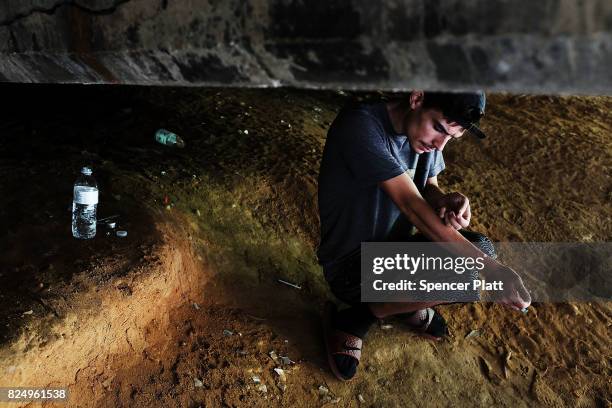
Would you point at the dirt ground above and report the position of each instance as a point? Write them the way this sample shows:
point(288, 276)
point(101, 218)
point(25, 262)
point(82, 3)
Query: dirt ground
point(187, 311)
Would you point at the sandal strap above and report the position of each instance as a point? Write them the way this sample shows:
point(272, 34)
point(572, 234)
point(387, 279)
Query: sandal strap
point(346, 344)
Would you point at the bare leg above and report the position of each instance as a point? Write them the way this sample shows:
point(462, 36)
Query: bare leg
point(382, 310)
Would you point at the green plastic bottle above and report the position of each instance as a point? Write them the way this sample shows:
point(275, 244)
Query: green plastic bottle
point(168, 138)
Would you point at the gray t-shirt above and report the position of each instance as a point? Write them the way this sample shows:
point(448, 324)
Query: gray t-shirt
point(363, 149)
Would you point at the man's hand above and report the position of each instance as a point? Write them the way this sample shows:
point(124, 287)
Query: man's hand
point(515, 294)
point(454, 208)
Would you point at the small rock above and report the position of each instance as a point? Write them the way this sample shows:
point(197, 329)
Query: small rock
point(262, 388)
point(286, 360)
point(198, 383)
point(488, 371)
point(486, 367)
point(436, 379)
point(323, 390)
point(507, 358)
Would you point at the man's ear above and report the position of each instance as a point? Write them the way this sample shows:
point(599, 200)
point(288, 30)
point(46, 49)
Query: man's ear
point(416, 99)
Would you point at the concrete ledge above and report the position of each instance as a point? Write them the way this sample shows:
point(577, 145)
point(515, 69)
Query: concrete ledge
point(551, 46)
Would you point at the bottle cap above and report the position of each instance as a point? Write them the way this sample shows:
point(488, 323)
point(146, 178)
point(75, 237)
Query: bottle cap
point(122, 234)
point(86, 171)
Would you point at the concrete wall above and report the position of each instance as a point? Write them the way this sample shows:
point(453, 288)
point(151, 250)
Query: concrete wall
point(545, 46)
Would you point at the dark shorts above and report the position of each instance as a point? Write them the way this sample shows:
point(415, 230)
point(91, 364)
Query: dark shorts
point(345, 281)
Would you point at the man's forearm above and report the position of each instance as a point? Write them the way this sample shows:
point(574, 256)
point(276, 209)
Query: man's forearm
point(433, 195)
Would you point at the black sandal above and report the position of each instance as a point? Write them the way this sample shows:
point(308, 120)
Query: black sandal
point(434, 327)
point(338, 342)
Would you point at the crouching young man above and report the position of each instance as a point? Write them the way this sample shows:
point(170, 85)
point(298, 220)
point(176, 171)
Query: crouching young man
point(378, 178)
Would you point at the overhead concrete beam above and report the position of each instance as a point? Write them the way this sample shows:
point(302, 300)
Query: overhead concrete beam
point(544, 46)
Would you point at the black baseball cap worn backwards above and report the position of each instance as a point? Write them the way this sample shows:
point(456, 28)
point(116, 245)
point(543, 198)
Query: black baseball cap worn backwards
point(464, 108)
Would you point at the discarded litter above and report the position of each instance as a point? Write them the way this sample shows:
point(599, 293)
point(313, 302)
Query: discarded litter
point(108, 218)
point(84, 205)
point(29, 312)
point(198, 383)
point(196, 306)
point(262, 388)
point(524, 310)
point(323, 390)
point(168, 138)
point(256, 379)
point(473, 333)
point(111, 225)
point(286, 360)
point(360, 398)
point(281, 374)
point(386, 326)
point(227, 332)
point(121, 234)
point(293, 285)
point(274, 357)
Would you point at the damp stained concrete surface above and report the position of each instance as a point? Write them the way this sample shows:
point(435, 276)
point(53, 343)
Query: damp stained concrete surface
point(187, 310)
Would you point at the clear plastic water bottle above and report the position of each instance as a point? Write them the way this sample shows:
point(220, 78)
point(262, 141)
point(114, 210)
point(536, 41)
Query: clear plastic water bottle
point(84, 205)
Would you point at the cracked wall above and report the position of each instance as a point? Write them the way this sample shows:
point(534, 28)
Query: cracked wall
point(548, 46)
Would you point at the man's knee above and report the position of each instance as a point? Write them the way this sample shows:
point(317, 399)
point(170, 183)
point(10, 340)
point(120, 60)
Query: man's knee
point(482, 242)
